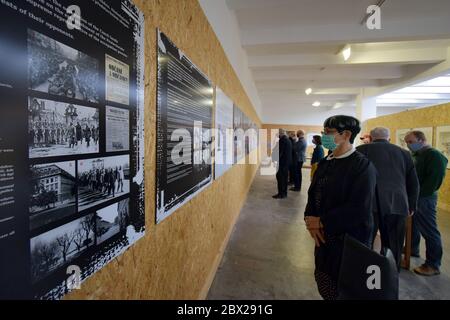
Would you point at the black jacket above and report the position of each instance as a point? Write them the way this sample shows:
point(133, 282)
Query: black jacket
point(282, 153)
point(347, 197)
point(397, 182)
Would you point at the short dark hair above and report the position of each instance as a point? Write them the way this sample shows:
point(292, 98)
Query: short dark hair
point(342, 123)
point(318, 140)
point(418, 134)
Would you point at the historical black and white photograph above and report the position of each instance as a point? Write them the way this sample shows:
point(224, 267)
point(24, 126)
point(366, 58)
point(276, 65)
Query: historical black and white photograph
point(59, 129)
point(59, 246)
point(117, 129)
point(53, 195)
point(60, 70)
point(112, 220)
point(101, 180)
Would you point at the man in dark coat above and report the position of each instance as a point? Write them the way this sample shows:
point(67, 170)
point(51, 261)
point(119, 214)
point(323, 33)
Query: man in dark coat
point(397, 189)
point(299, 157)
point(282, 154)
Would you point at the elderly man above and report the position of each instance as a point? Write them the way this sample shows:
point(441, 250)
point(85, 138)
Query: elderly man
point(282, 154)
point(397, 189)
point(431, 167)
point(299, 157)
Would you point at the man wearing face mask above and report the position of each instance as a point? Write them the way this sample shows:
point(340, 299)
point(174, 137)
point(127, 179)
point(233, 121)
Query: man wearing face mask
point(340, 201)
point(431, 167)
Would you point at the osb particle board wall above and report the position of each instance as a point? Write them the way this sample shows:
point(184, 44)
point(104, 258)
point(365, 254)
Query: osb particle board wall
point(176, 258)
point(427, 117)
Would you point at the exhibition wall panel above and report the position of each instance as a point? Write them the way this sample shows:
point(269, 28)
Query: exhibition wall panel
point(176, 258)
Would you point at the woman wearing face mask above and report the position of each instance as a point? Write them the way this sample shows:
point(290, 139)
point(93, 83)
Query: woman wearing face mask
point(339, 201)
point(317, 155)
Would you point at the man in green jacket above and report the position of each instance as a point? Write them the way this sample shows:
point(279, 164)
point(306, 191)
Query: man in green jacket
point(431, 166)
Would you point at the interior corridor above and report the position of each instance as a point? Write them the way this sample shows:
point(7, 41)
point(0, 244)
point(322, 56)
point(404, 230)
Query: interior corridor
point(270, 252)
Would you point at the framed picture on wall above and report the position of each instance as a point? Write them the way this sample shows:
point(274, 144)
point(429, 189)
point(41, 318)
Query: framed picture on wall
point(443, 141)
point(400, 137)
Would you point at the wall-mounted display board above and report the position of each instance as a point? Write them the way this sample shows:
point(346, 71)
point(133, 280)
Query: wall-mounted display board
point(400, 137)
point(245, 135)
point(223, 151)
point(184, 122)
point(443, 141)
point(401, 133)
point(71, 141)
point(239, 134)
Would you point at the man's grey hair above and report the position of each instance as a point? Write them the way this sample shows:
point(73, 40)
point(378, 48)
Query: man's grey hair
point(282, 132)
point(380, 133)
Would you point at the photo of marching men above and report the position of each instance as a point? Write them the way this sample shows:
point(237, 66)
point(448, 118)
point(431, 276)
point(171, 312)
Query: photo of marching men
point(57, 69)
point(102, 179)
point(53, 193)
point(58, 129)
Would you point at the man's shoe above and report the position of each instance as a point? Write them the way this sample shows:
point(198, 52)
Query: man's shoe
point(295, 189)
point(277, 196)
point(426, 270)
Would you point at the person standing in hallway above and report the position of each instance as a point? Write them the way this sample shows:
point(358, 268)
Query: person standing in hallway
point(397, 189)
point(299, 153)
point(282, 154)
point(318, 154)
point(292, 139)
point(340, 201)
point(431, 166)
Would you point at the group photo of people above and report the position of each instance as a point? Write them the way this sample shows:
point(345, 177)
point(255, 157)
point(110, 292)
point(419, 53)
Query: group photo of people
point(57, 69)
point(103, 179)
point(57, 129)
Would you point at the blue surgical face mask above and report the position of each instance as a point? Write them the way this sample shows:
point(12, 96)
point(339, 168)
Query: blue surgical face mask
point(328, 142)
point(414, 147)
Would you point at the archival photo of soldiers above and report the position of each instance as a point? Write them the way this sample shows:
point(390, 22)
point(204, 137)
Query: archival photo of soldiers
point(60, 70)
point(103, 179)
point(53, 195)
point(59, 129)
point(58, 247)
point(112, 220)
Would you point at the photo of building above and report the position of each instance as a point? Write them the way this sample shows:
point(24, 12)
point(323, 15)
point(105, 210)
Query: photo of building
point(53, 193)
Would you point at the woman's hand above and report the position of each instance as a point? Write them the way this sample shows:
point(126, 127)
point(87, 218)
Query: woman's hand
point(315, 229)
point(313, 223)
point(318, 236)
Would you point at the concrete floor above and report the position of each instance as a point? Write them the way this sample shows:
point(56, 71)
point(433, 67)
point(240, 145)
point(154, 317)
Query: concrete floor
point(270, 253)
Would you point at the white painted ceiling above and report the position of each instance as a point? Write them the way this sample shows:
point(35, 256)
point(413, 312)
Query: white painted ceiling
point(294, 44)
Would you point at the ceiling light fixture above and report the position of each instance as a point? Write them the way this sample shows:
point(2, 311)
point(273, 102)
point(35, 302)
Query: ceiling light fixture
point(308, 91)
point(316, 104)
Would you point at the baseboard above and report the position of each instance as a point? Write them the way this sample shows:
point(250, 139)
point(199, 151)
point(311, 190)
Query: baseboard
point(212, 274)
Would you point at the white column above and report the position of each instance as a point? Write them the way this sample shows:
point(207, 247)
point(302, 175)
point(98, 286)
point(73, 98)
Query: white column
point(366, 107)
